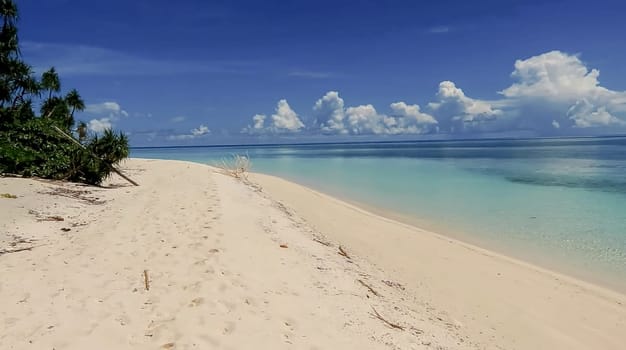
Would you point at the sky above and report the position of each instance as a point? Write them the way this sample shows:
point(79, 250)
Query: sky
point(196, 72)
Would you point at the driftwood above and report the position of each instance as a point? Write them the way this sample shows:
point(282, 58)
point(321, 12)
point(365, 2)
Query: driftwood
point(369, 287)
point(146, 279)
point(321, 242)
point(95, 156)
point(2, 252)
point(390, 324)
point(343, 253)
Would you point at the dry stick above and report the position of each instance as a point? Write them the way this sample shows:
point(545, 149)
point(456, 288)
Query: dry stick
point(93, 155)
point(322, 242)
point(392, 325)
point(2, 252)
point(343, 253)
point(146, 280)
point(369, 287)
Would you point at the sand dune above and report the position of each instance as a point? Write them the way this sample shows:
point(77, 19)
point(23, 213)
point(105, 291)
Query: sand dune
point(257, 266)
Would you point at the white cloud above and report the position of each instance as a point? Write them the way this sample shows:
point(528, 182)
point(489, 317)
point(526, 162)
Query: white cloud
point(200, 131)
point(178, 119)
point(412, 113)
point(554, 90)
point(452, 102)
point(364, 119)
point(111, 109)
point(456, 111)
point(259, 121)
point(329, 113)
point(99, 125)
point(559, 82)
point(586, 115)
point(104, 115)
point(90, 61)
point(284, 120)
point(331, 117)
point(554, 75)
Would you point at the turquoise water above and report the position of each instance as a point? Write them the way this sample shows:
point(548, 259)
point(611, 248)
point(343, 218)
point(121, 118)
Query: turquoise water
point(560, 203)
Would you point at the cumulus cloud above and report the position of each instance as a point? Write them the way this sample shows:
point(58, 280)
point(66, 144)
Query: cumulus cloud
point(585, 115)
point(99, 125)
point(105, 115)
point(409, 119)
point(559, 82)
point(550, 91)
point(554, 75)
point(284, 120)
point(331, 117)
point(111, 109)
point(259, 121)
point(453, 102)
point(200, 131)
point(364, 119)
point(329, 113)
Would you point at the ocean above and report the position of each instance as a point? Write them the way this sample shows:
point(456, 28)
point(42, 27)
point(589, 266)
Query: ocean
point(557, 203)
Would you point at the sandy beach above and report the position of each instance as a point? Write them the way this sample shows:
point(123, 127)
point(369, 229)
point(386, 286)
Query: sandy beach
point(195, 259)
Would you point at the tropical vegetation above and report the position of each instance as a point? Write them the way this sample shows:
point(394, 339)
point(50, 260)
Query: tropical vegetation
point(32, 142)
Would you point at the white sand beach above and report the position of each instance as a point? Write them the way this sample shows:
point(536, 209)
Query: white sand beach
point(194, 259)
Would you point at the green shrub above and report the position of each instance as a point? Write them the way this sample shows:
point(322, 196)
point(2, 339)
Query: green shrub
point(29, 144)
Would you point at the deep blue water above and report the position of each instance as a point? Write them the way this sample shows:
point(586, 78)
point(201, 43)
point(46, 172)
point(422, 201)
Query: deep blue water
point(560, 203)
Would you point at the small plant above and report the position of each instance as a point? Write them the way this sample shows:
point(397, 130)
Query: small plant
point(237, 166)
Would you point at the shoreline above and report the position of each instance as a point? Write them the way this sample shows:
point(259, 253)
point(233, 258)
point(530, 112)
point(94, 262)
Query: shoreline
point(564, 268)
point(561, 267)
point(479, 287)
point(413, 225)
point(195, 258)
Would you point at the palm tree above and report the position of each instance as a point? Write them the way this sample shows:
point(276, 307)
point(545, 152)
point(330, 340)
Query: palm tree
point(22, 81)
point(8, 11)
point(75, 102)
point(50, 81)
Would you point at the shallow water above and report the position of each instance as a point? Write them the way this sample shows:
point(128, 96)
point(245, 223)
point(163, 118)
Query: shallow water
point(560, 203)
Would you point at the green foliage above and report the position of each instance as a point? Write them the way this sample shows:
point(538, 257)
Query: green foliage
point(29, 144)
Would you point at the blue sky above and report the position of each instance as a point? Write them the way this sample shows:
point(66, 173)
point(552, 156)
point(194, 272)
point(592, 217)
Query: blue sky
point(215, 72)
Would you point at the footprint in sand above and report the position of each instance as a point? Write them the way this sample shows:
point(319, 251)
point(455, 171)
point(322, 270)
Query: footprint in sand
point(229, 328)
point(195, 302)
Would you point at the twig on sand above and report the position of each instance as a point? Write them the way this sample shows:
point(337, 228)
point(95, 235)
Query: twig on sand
point(343, 253)
point(321, 242)
point(2, 252)
point(51, 218)
point(146, 279)
point(392, 325)
point(369, 287)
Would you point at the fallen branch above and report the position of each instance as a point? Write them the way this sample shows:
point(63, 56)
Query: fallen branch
point(109, 165)
point(146, 280)
point(2, 252)
point(51, 218)
point(369, 287)
point(392, 325)
point(343, 253)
